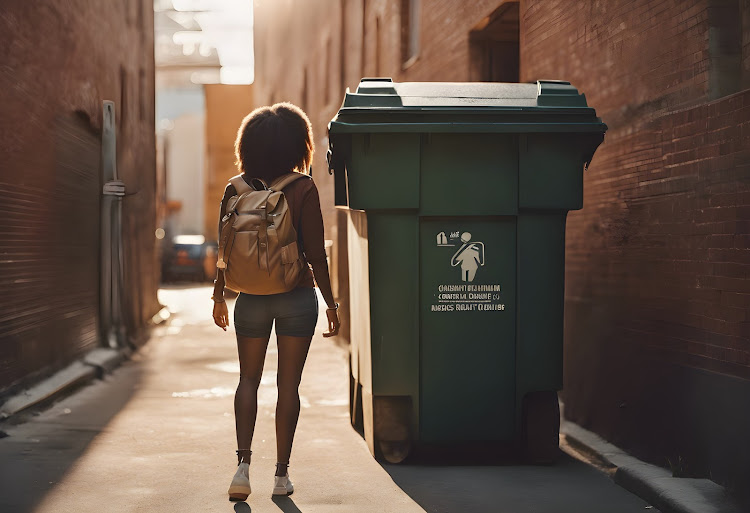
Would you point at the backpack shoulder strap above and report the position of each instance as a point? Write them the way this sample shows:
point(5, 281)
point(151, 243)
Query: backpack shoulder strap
point(285, 180)
point(240, 185)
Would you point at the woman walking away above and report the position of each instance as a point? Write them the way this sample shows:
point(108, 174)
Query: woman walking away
point(274, 151)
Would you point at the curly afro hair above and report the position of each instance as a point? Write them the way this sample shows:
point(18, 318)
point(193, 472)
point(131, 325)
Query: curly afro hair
point(273, 141)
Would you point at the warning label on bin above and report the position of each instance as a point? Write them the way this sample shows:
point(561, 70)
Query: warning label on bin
point(468, 258)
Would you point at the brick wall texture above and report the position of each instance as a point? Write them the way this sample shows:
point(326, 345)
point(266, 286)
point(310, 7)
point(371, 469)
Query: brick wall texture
point(657, 326)
point(60, 61)
point(664, 229)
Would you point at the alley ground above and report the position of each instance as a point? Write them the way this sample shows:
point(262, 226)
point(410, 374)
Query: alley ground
point(157, 435)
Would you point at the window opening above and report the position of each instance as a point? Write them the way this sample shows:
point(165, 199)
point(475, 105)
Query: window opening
point(342, 48)
point(410, 17)
point(143, 86)
point(305, 92)
point(724, 48)
point(494, 46)
point(328, 66)
point(363, 57)
point(123, 97)
point(377, 46)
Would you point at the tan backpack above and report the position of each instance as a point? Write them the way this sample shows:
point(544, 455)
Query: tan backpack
point(258, 247)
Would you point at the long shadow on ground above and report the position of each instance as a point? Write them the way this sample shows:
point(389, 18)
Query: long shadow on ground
point(38, 453)
point(568, 486)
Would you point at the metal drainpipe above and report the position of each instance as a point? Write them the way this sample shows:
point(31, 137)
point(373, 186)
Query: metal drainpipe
point(111, 236)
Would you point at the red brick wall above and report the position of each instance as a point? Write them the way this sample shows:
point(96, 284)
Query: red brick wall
point(667, 203)
point(664, 231)
point(61, 60)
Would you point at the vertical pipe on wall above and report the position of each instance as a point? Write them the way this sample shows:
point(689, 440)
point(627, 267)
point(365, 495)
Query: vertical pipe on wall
point(111, 222)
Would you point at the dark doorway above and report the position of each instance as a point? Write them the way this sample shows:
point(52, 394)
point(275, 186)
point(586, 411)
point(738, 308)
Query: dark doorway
point(494, 48)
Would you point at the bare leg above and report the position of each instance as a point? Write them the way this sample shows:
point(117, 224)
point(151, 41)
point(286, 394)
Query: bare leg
point(252, 354)
point(292, 356)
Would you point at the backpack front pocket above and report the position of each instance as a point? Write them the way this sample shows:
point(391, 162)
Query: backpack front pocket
point(243, 254)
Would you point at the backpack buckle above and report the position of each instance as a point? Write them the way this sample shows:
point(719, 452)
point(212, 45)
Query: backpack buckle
point(228, 215)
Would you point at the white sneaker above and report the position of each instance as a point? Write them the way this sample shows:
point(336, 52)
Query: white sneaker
point(283, 485)
point(240, 487)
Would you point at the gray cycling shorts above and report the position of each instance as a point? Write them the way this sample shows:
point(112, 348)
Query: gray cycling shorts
point(295, 313)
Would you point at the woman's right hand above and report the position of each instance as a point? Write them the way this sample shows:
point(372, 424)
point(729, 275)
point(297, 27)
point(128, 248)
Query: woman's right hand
point(221, 314)
point(334, 323)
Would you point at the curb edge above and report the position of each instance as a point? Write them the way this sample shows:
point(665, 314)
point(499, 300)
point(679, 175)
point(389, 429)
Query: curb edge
point(652, 483)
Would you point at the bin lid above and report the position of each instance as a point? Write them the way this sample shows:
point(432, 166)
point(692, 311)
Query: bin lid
point(381, 105)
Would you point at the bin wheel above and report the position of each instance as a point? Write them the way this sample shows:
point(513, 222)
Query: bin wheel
point(541, 427)
point(394, 452)
point(355, 401)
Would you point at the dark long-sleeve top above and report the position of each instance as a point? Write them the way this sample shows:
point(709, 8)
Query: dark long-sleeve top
point(304, 205)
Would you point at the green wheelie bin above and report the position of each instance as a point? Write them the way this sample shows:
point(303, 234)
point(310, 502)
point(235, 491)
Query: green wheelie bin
point(456, 196)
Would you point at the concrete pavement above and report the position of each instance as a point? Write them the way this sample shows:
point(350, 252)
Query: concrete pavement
point(158, 435)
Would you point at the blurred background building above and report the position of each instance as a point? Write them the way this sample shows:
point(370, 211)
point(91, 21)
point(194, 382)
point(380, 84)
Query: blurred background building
point(60, 62)
point(204, 68)
point(657, 332)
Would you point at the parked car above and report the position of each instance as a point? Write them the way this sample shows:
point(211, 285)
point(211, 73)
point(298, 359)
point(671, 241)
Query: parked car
point(187, 259)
